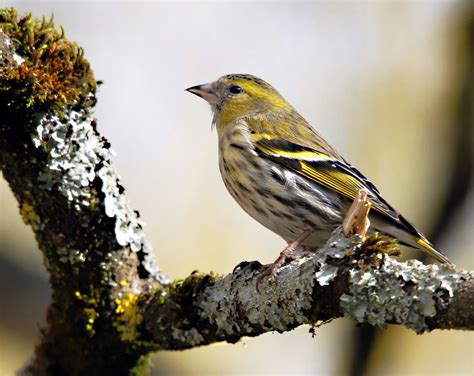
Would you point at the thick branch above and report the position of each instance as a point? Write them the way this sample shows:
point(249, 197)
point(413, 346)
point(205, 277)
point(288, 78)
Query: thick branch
point(59, 168)
point(375, 288)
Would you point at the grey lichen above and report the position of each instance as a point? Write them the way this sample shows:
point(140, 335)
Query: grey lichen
point(278, 308)
point(74, 152)
point(380, 290)
point(233, 306)
point(399, 292)
point(335, 248)
point(326, 274)
point(79, 160)
point(341, 278)
point(191, 336)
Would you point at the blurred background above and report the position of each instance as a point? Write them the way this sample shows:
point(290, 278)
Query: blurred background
point(388, 84)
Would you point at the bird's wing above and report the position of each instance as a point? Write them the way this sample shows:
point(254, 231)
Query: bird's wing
point(321, 169)
point(336, 175)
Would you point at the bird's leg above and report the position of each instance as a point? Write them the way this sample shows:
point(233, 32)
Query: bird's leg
point(288, 254)
point(357, 220)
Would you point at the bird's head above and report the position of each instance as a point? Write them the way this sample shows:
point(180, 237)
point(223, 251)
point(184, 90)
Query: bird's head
point(238, 95)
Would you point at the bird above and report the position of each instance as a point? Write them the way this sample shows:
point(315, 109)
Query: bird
point(286, 176)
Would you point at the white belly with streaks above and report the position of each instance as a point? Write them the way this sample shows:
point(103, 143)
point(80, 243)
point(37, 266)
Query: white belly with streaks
point(261, 190)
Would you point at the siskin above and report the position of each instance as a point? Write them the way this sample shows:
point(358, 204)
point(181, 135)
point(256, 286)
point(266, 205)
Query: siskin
point(285, 175)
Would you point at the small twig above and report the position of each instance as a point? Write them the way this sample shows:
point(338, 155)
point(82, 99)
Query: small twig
point(357, 220)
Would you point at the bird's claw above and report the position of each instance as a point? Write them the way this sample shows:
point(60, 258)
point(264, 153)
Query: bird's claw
point(270, 270)
point(252, 265)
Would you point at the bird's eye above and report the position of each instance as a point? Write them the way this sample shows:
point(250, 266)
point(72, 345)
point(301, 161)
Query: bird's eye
point(234, 89)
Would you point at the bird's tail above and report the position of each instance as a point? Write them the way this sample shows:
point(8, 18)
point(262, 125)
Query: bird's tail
point(408, 235)
point(426, 246)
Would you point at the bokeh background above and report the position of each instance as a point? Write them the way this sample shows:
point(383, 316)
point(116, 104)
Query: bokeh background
point(388, 83)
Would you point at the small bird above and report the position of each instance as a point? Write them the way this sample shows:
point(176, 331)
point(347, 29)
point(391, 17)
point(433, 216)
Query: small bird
point(285, 175)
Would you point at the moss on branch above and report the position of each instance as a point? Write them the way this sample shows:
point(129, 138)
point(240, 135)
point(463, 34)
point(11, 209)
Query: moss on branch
point(51, 72)
point(59, 168)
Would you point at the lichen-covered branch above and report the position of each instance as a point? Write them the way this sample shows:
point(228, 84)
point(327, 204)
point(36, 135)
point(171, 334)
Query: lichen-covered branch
point(59, 168)
point(343, 278)
point(111, 305)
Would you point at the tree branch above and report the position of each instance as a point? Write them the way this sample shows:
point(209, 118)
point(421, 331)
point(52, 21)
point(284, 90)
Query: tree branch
point(111, 305)
point(343, 278)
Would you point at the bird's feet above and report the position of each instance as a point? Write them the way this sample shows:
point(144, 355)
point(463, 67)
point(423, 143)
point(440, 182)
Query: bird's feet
point(247, 265)
point(288, 254)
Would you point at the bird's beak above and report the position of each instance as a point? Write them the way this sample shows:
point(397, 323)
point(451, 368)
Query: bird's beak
point(206, 92)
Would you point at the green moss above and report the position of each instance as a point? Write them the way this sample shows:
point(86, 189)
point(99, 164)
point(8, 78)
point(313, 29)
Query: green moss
point(90, 301)
point(380, 243)
point(52, 72)
point(186, 289)
point(142, 367)
point(128, 317)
